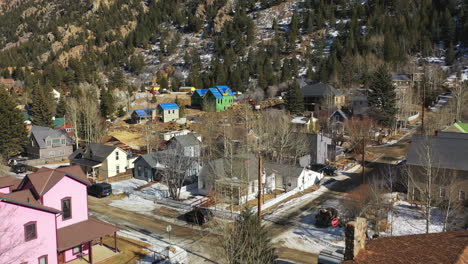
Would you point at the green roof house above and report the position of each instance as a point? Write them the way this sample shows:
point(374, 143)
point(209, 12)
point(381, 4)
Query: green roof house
point(458, 127)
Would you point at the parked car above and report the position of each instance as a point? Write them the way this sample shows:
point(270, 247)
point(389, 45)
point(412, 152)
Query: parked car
point(19, 168)
point(100, 190)
point(15, 161)
point(324, 217)
point(326, 169)
point(199, 215)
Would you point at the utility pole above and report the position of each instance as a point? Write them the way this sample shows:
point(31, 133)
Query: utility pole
point(363, 162)
point(422, 106)
point(259, 204)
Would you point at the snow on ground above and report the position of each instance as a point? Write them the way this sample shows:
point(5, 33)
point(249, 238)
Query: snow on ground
point(126, 186)
point(54, 166)
point(407, 220)
point(155, 191)
point(305, 236)
point(158, 249)
point(135, 203)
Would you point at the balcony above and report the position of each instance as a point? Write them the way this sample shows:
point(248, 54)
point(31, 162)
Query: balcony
point(100, 253)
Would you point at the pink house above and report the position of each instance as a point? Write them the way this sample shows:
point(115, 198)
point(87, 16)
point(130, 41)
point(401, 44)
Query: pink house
point(44, 218)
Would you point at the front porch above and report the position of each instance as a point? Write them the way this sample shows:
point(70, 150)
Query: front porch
point(99, 253)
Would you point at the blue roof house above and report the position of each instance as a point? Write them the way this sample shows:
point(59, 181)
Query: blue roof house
point(169, 111)
point(142, 115)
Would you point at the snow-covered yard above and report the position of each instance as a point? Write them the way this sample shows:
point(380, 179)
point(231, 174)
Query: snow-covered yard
point(158, 249)
point(126, 186)
point(305, 236)
point(406, 220)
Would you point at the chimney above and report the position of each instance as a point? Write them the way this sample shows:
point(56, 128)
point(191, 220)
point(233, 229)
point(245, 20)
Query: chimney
point(355, 237)
point(436, 133)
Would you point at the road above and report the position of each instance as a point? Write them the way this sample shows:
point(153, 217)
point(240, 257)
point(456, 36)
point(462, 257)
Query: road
point(203, 245)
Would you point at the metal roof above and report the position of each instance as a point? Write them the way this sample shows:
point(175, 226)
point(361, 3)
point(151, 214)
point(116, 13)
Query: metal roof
point(216, 93)
point(224, 89)
point(400, 77)
point(449, 150)
point(144, 112)
point(169, 106)
point(201, 92)
point(319, 90)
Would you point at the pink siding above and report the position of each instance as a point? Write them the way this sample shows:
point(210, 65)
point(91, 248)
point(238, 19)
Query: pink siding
point(69, 253)
point(68, 187)
point(13, 218)
point(5, 189)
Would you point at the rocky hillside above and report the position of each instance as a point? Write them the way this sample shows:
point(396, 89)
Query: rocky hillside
point(247, 44)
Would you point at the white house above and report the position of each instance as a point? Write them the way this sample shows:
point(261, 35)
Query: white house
point(102, 161)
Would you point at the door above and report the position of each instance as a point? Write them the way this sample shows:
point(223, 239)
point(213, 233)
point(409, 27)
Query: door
point(61, 258)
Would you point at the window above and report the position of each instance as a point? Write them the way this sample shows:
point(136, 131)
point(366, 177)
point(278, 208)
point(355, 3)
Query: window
point(63, 141)
point(66, 208)
point(76, 250)
point(32, 142)
point(117, 169)
point(51, 154)
point(30, 231)
point(55, 142)
point(461, 195)
point(117, 156)
point(43, 260)
point(49, 143)
point(139, 169)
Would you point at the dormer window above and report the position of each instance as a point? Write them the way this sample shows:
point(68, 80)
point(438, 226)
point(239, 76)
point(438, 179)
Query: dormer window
point(63, 141)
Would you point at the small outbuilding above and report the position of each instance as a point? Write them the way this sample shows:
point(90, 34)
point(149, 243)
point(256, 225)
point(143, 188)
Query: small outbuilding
point(169, 112)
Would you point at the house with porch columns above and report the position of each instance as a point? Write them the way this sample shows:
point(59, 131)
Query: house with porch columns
point(45, 219)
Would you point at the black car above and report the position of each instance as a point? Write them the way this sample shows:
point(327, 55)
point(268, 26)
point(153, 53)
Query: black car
point(199, 215)
point(19, 168)
point(100, 190)
point(326, 169)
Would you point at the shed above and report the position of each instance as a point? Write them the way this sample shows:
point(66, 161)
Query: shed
point(169, 112)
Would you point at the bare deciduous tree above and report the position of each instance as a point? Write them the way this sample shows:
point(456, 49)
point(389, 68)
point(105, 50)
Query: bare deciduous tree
point(459, 93)
point(92, 123)
point(175, 170)
point(73, 117)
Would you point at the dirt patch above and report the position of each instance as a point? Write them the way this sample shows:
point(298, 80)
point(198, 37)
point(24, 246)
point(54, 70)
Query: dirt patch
point(298, 256)
point(164, 211)
point(130, 250)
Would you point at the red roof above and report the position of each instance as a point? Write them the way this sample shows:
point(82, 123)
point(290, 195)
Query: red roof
point(44, 178)
point(82, 232)
point(9, 182)
point(447, 247)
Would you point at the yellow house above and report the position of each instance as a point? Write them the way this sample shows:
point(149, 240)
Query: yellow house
point(187, 89)
point(151, 88)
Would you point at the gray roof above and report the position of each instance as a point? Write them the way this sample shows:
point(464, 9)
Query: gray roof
point(449, 150)
point(186, 140)
point(40, 133)
point(319, 90)
point(156, 158)
point(245, 168)
point(283, 170)
point(97, 152)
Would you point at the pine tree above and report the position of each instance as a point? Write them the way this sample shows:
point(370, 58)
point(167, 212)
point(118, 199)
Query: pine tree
point(107, 104)
point(61, 107)
point(450, 54)
point(294, 99)
point(14, 135)
point(248, 241)
point(382, 97)
point(181, 107)
point(41, 107)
